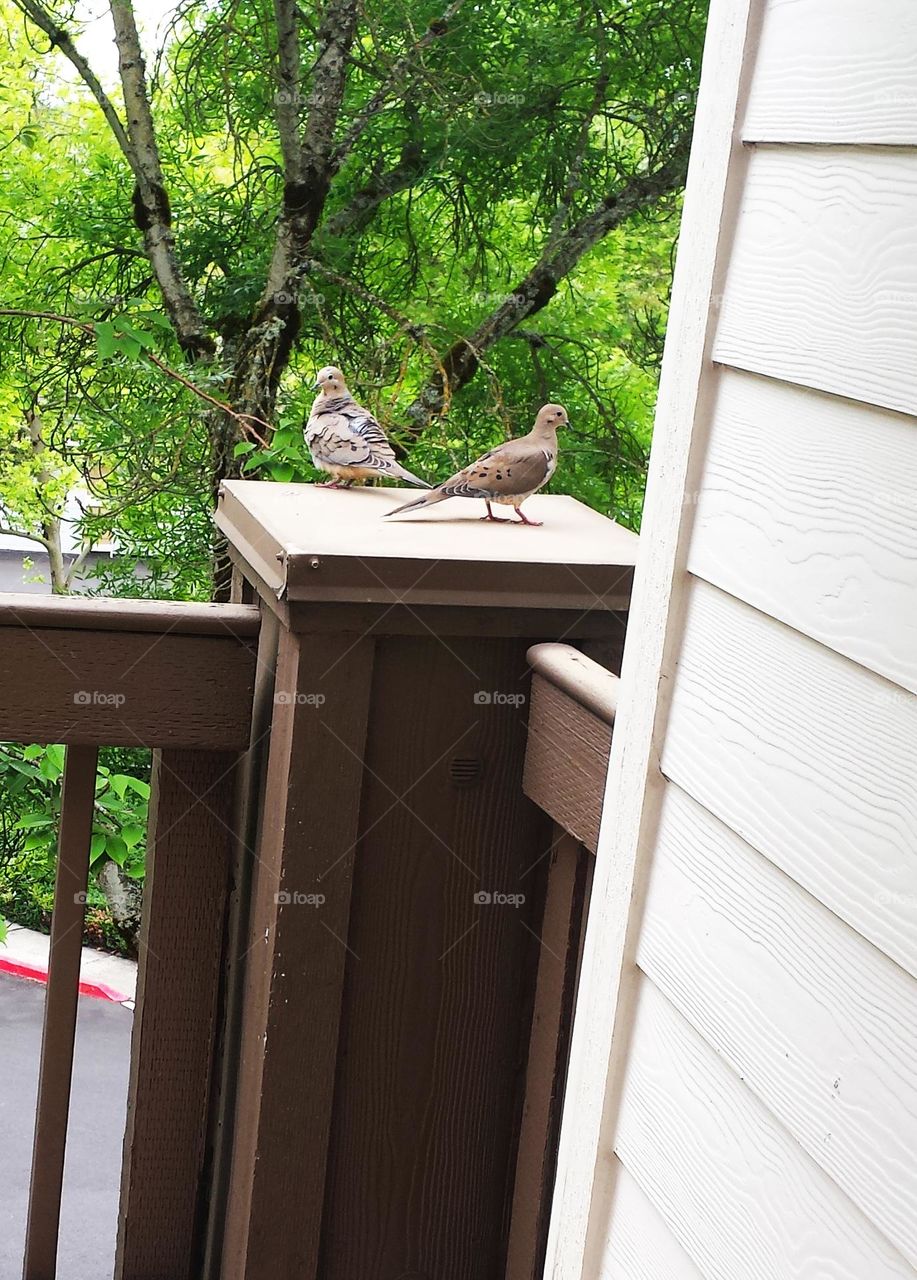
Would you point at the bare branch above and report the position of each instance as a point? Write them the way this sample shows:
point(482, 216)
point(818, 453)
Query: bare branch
point(437, 28)
point(151, 203)
point(460, 363)
point(61, 40)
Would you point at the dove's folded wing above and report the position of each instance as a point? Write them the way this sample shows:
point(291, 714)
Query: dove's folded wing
point(349, 438)
point(512, 469)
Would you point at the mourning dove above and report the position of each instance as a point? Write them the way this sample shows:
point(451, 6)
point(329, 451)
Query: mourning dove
point(346, 440)
point(508, 474)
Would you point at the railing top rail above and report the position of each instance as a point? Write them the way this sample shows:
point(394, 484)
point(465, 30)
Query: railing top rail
point(584, 680)
point(97, 614)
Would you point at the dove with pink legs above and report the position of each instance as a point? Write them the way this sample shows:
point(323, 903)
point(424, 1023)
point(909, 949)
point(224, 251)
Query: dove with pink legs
point(508, 474)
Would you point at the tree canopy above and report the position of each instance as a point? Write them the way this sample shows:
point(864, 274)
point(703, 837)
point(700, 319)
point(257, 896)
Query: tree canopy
point(471, 208)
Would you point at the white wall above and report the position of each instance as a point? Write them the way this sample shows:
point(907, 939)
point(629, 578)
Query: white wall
point(743, 1093)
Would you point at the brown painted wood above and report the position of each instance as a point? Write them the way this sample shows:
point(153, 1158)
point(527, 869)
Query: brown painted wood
point(114, 688)
point(562, 931)
point(296, 957)
point(61, 998)
point(439, 989)
point(161, 617)
point(566, 760)
point(181, 948)
point(246, 825)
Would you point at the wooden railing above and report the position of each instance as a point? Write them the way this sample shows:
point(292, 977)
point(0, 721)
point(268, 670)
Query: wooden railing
point(197, 683)
point(571, 716)
point(180, 678)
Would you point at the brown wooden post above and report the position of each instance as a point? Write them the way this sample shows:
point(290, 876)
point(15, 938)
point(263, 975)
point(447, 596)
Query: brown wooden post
point(296, 956)
point(53, 1105)
point(387, 1025)
point(562, 932)
point(181, 946)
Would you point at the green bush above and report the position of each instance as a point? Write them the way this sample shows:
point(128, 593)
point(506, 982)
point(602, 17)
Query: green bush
point(30, 793)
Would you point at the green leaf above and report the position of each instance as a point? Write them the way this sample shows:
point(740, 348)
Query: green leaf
point(243, 447)
point(97, 846)
point(284, 473)
point(29, 820)
point(119, 783)
point(33, 752)
point(137, 784)
point(106, 342)
point(35, 841)
point(132, 834)
point(116, 849)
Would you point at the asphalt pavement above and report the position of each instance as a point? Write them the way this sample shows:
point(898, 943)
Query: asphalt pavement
point(92, 1170)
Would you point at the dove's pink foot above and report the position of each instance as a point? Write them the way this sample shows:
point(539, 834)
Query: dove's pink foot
point(330, 484)
point(523, 519)
point(490, 515)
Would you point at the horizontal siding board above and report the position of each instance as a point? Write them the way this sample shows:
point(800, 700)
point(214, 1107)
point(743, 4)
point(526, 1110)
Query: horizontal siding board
point(639, 1245)
point(807, 756)
point(815, 1020)
point(738, 1192)
point(822, 281)
point(827, 71)
point(806, 510)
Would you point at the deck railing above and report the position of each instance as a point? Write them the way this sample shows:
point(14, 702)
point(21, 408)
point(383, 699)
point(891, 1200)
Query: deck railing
point(571, 716)
point(196, 682)
point(179, 678)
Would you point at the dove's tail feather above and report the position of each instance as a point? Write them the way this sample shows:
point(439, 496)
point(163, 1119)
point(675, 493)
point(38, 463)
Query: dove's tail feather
point(426, 501)
point(402, 473)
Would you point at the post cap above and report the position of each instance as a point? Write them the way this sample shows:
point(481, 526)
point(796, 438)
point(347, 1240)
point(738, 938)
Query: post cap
point(308, 543)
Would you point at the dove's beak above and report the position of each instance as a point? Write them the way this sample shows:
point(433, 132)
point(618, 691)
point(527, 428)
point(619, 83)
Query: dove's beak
point(316, 386)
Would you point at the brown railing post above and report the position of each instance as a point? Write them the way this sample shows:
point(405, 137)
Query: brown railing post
point(53, 1105)
point(400, 882)
point(181, 952)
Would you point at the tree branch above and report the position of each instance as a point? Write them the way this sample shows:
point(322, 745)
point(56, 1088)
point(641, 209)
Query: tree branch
point(152, 213)
point(461, 362)
point(59, 38)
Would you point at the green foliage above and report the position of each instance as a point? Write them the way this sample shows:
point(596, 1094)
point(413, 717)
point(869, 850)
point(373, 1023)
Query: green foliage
point(516, 112)
point(30, 797)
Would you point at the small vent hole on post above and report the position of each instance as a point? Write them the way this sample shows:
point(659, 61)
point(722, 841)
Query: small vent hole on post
point(465, 771)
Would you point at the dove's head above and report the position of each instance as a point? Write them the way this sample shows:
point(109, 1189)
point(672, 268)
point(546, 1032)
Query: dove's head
point(550, 417)
point(330, 381)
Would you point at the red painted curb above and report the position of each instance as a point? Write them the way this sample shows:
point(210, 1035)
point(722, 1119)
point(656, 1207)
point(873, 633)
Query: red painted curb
point(99, 990)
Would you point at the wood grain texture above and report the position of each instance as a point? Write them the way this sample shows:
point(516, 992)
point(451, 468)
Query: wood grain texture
point(52, 1106)
point(806, 510)
point(561, 934)
point(736, 1190)
point(600, 1034)
point(113, 688)
point(638, 1244)
point(298, 947)
point(822, 282)
point(818, 1023)
point(835, 71)
point(566, 760)
point(439, 986)
point(808, 757)
point(181, 950)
